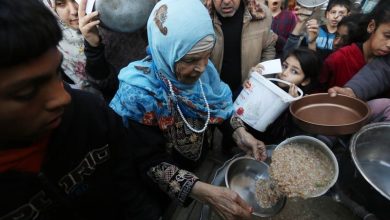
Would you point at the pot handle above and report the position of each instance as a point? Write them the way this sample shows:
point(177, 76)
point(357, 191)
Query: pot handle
point(300, 92)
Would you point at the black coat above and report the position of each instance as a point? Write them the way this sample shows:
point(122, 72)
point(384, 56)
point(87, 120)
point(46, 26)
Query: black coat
point(87, 173)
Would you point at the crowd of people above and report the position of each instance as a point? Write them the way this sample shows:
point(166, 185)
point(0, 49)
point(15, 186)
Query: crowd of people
point(80, 139)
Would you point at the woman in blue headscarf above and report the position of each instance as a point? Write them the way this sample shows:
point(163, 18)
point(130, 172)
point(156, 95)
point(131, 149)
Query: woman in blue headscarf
point(173, 98)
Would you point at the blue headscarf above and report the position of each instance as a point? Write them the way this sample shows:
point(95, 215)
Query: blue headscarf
point(174, 27)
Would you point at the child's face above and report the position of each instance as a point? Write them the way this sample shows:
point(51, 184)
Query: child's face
point(341, 38)
point(32, 98)
point(335, 14)
point(274, 5)
point(67, 11)
point(379, 41)
point(292, 72)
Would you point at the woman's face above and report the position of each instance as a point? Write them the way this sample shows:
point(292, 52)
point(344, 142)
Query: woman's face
point(379, 41)
point(190, 67)
point(292, 72)
point(67, 11)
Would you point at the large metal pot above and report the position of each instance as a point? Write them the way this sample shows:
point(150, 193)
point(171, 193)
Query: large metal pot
point(370, 152)
point(124, 15)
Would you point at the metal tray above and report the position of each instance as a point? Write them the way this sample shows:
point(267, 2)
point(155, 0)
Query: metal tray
point(322, 114)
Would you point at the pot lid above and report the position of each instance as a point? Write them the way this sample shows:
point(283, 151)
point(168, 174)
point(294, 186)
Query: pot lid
point(124, 15)
point(311, 3)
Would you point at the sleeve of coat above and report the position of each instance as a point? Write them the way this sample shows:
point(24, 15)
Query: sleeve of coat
point(268, 52)
point(372, 80)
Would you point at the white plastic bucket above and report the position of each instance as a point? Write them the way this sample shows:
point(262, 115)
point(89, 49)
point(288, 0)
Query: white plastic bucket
point(261, 103)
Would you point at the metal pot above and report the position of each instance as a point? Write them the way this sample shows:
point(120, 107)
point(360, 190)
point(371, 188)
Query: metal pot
point(124, 15)
point(370, 151)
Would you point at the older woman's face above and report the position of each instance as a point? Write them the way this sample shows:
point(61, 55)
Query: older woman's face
point(67, 11)
point(190, 67)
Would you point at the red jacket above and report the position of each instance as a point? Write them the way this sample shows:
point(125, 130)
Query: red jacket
point(341, 66)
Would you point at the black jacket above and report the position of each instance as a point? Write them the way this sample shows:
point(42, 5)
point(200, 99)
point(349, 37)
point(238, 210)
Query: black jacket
point(87, 173)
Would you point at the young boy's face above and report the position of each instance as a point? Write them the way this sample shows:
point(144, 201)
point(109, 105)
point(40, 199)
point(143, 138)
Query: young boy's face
point(335, 14)
point(32, 98)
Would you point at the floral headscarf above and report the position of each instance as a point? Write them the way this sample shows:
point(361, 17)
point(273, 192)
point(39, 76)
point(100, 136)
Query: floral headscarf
point(72, 49)
point(174, 27)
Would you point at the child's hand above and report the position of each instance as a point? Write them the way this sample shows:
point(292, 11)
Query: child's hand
point(293, 90)
point(312, 30)
point(258, 68)
point(302, 13)
point(88, 25)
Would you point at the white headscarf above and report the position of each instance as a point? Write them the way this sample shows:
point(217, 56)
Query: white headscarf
point(72, 49)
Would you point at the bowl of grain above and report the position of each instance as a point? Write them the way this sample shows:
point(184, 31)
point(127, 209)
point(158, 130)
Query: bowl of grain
point(303, 166)
point(250, 179)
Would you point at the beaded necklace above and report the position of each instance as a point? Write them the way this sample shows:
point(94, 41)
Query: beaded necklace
point(181, 114)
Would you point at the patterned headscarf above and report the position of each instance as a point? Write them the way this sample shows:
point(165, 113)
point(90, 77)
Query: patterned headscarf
point(72, 49)
point(174, 27)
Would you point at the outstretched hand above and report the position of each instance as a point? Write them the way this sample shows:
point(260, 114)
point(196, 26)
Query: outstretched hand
point(88, 24)
point(343, 91)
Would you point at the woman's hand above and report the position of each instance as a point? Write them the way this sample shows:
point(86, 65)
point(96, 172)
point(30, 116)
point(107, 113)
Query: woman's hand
point(293, 90)
point(249, 144)
point(88, 25)
point(343, 91)
point(225, 202)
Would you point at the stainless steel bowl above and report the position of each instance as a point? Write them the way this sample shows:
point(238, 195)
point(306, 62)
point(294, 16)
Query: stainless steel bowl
point(302, 139)
point(370, 151)
point(241, 176)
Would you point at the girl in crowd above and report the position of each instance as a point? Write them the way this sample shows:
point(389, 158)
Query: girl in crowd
point(343, 64)
point(172, 99)
point(300, 68)
point(84, 64)
point(283, 23)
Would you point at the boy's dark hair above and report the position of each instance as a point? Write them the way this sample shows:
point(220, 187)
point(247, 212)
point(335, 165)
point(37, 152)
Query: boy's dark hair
point(346, 3)
point(380, 14)
point(27, 30)
point(356, 33)
point(311, 65)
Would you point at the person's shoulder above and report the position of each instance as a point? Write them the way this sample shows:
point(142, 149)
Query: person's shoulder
point(86, 99)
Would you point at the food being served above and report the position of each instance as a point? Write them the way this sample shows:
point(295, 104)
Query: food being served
point(267, 194)
point(300, 170)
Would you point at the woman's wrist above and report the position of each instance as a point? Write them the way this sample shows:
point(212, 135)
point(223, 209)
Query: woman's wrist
point(236, 123)
point(199, 192)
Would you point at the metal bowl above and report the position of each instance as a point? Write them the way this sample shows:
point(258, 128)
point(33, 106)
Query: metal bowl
point(322, 114)
point(370, 151)
point(241, 176)
point(302, 139)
